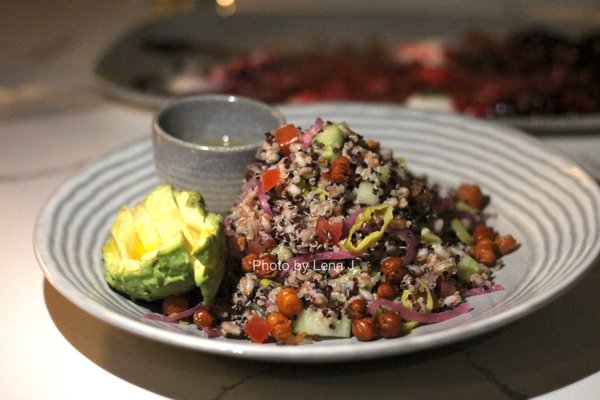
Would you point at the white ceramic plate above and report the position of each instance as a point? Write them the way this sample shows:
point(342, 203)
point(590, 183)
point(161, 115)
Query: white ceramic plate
point(548, 202)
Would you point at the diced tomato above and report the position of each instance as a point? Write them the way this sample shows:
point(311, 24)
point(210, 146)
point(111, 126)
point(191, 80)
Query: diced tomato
point(285, 136)
point(271, 178)
point(258, 329)
point(328, 231)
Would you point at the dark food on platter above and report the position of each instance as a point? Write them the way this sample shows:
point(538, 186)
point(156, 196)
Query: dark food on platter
point(529, 73)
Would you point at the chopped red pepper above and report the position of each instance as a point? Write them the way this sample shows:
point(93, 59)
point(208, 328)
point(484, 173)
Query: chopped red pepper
point(328, 231)
point(258, 329)
point(271, 178)
point(285, 136)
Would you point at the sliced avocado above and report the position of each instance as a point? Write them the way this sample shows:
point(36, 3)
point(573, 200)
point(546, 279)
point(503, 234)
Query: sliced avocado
point(208, 242)
point(210, 257)
point(126, 238)
point(145, 228)
point(158, 274)
point(165, 247)
point(164, 213)
point(312, 322)
point(328, 143)
point(191, 208)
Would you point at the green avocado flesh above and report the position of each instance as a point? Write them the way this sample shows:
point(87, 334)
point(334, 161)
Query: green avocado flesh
point(164, 246)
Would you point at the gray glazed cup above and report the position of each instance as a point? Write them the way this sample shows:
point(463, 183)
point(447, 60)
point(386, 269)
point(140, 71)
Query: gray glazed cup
point(186, 155)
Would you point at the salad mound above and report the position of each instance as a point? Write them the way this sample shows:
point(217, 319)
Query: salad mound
point(334, 237)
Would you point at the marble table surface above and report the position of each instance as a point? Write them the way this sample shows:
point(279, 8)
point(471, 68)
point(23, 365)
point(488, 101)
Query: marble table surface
point(52, 349)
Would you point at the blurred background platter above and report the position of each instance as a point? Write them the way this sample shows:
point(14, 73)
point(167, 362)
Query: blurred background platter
point(177, 55)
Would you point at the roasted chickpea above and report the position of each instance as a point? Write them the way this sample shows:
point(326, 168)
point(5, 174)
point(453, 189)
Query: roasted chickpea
point(392, 269)
point(266, 267)
point(174, 305)
point(237, 246)
point(373, 145)
point(484, 252)
point(485, 256)
point(390, 324)
point(261, 245)
point(364, 329)
point(481, 232)
point(282, 326)
point(505, 244)
point(340, 170)
point(248, 262)
point(203, 318)
point(356, 309)
point(470, 194)
point(385, 291)
point(276, 318)
point(288, 302)
point(487, 243)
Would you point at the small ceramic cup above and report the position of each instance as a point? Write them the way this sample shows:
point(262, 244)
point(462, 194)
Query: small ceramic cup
point(189, 152)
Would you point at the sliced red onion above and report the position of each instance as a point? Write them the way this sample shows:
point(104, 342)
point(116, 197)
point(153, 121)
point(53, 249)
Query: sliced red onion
point(310, 133)
point(250, 183)
point(410, 240)
point(212, 332)
point(174, 317)
point(229, 231)
point(262, 198)
point(468, 216)
point(481, 290)
point(409, 314)
point(443, 204)
point(268, 303)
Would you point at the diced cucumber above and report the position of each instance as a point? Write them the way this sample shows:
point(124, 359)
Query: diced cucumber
point(401, 163)
point(466, 267)
point(429, 237)
point(462, 206)
point(384, 173)
point(364, 194)
point(283, 253)
point(328, 142)
point(349, 275)
point(461, 232)
point(312, 322)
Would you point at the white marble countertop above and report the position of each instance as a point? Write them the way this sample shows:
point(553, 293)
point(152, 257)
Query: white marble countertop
point(55, 122)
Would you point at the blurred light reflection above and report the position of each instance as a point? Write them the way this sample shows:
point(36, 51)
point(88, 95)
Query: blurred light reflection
point(226, 8)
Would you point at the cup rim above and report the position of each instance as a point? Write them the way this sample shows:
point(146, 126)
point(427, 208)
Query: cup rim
point(226, 98)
